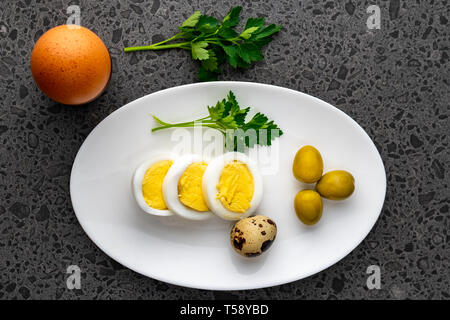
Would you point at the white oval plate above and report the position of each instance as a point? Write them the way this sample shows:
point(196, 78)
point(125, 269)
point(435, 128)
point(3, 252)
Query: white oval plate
point(198, 253)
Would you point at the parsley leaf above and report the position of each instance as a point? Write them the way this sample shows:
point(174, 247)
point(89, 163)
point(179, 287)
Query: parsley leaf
point(206, 75)
point(192, 20)
point(230, 119)
point(267, 31)
point(214, 43)
point(255, 22)
point(211, 63)
point(207, 24)
point(247, 33)
point(227, 33)
point(232, 18)
point(198, 50)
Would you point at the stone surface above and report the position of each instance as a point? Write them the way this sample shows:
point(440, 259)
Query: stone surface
point(393, 81)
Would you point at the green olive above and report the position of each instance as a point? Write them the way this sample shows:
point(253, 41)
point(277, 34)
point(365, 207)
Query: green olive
point(308, 206)
point(308, 165)
point(336, 185)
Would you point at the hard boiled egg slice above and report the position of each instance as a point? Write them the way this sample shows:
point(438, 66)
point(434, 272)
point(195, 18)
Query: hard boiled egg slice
point(232, 186)
point(147, 184)
point(182, 188)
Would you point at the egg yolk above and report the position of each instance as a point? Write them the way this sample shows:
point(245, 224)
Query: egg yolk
point(152, 184)
point(190, 187)
point(236, 187)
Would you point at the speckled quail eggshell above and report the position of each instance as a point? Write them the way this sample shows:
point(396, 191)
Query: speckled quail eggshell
point(251, 236)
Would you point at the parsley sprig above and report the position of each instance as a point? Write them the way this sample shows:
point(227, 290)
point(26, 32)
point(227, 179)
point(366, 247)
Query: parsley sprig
point(230, 119)
point(214, 43)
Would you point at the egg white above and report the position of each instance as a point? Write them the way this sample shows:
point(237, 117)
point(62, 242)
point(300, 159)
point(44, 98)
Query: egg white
point(211, 180)
point(170, 189)
point(138, 177)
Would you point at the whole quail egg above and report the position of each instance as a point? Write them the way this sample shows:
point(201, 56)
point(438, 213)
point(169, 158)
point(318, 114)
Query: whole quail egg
point(251, 236)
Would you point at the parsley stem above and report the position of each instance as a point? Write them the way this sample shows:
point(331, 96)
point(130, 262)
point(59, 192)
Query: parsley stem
point(178, 35)
point(235, 39)
point(161, 45)
point(182, 45)
point(203, 122)
point(172, 126)
point(181, 123)
point(185, 125)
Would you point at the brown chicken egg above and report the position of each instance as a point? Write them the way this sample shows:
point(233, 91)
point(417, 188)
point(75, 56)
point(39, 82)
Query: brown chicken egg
point(71, 64)
point(252, 236)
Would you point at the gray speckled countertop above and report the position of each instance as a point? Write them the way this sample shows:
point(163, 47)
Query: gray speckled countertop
point(393, 81)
